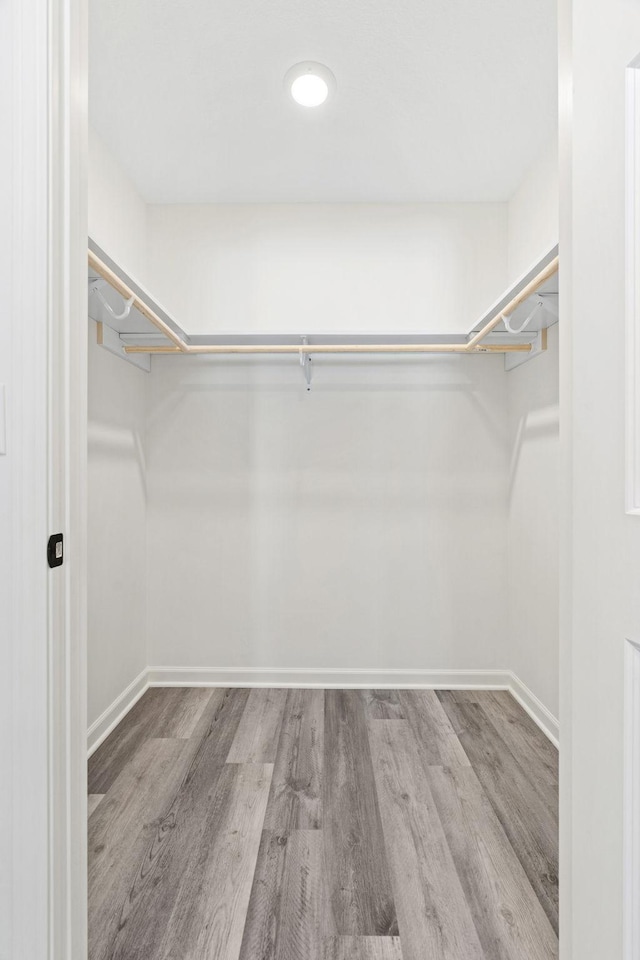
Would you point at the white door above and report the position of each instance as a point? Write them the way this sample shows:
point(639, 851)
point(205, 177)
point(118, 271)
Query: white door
point(42, 397)
point(601, 563)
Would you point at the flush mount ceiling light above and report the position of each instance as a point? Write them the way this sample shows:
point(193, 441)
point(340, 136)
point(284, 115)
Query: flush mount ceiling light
point(309, 83)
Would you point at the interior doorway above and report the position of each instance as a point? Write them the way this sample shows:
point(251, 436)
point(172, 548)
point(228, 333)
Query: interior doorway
point(323, 476)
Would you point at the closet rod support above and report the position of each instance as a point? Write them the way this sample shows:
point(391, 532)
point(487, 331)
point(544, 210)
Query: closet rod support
point(305, 363)
point(532, 287)
point(114, 281)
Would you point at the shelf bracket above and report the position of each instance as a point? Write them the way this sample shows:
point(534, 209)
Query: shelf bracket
point(109, 338)
point(538, 346)
point(95, 286)
point(305, 363)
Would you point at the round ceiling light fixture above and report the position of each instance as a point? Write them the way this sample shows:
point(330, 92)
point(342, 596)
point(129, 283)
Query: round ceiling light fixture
point(309, 83)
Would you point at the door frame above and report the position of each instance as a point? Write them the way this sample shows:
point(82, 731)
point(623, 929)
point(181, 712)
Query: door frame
point(67, 368)
point(45, 49)
point(49, 427)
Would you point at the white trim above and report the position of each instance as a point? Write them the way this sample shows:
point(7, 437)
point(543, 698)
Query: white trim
point(329, 677)
point(631, 893)
point(336, 678)
point(632, 297)
point(27, 914)
point(536, 709)
point(43, 44)
point(67, 406)
point(107, 721)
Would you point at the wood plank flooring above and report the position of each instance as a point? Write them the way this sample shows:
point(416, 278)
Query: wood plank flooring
point(323, 825)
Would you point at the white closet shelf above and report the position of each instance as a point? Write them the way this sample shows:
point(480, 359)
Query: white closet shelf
point(140, 327)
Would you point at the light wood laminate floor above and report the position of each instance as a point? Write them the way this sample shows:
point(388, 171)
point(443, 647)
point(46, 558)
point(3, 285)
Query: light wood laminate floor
point(267, 824)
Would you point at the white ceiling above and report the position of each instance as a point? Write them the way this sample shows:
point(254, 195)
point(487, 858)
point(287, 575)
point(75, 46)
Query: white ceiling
point(436, 99)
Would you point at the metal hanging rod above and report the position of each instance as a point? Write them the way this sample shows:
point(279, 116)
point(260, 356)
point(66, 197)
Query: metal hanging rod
point(221, 348)
point(180, 346)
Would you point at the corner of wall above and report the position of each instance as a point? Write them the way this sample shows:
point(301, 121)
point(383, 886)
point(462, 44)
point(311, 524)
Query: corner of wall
point(145, 450)
point(118, 214)
point(532, 405)
point(533, 213)
point(118, 222)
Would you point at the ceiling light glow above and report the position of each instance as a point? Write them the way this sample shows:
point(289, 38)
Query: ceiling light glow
point(309, 83)
point(309, 90)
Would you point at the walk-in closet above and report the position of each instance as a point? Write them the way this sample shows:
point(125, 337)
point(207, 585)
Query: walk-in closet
point(323, 279)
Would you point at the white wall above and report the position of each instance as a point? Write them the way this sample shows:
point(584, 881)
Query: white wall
point(328, 267)
point(533, 422)
point(256, 487)
point(360, 525)
point(533, 523)
point(532, 215)
point(117, 638)
point(602, 558)
point(117, 629)
point(117, 213)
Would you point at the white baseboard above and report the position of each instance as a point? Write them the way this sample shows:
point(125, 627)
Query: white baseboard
point(323, 677)
point(329, 677)
point(536, 709)
point(107, 721)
